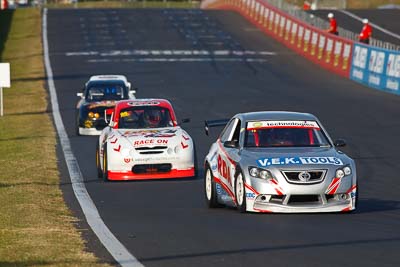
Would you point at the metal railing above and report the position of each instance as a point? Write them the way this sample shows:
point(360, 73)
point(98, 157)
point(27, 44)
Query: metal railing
point(315, 21)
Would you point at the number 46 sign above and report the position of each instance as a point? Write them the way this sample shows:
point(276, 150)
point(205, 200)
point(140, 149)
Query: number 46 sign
point(4, 82)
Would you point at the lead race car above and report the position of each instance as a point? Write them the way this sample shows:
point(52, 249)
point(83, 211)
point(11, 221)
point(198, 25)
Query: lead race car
point(97, 101)
point(278, 162)
point(144, 141)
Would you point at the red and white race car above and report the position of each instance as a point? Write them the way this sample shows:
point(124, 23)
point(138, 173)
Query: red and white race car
point(144, 141)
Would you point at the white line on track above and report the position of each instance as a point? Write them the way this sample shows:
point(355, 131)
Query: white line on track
point(101, 60)
point(373, 24)
point(141, 52)
point(110, 242)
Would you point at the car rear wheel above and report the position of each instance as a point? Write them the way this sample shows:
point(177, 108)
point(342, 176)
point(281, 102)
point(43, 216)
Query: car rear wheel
point(105, 165)
point(98, 165)
point(240, 193)
point(210, 190)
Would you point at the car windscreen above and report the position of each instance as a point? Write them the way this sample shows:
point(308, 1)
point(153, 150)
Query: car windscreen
point(104, 92)
point(285, 134)
point(144, 117)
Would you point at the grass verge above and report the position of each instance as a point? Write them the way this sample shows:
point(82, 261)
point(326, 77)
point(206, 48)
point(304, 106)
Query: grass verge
point(36, 227)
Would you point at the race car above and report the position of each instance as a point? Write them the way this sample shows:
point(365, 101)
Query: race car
point(280, 162)
point(97, 101)
point(143, 140)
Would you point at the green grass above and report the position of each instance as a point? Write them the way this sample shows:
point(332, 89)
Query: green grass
point(353, 4)
point(126, 4)
point(358, 4)
point(36, 227)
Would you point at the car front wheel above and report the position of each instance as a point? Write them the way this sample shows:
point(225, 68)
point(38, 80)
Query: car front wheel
point(105, 164)
point(210, 190)
point(240, 193)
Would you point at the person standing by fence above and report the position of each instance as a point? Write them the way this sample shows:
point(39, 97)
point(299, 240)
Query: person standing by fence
point(333, 24)
point(366, 32)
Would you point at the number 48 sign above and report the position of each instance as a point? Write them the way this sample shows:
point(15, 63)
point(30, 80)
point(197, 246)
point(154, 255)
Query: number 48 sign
point(4, 82)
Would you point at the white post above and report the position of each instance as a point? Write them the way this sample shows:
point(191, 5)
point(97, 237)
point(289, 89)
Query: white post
point(1, 101)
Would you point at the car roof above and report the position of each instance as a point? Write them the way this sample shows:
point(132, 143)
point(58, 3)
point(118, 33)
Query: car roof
point(158, 102)
point(144, 102)
point(276, 115)
point(108, 78)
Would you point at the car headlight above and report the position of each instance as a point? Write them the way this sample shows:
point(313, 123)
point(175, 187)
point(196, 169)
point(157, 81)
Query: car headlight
point(260, 173)
point(342, 172)
point(177, 149)
point(92, 115)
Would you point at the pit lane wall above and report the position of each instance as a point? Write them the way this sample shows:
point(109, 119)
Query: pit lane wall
point(371, 66)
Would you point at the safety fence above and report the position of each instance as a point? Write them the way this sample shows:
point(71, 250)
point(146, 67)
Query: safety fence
point(332, 52)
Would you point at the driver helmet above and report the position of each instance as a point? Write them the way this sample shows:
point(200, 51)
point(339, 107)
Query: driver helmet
point(152, 117)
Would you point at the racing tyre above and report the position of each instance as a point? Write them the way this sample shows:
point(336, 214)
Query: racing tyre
point(99, 172)
point(210, 189)
point(105, 164)
point(240, 193)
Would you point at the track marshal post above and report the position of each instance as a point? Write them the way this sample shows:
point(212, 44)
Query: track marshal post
point(4, 82)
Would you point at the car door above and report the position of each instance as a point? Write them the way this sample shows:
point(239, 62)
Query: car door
point(227, 156)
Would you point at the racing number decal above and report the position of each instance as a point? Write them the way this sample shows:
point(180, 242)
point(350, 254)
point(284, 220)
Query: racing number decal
point(223, 169)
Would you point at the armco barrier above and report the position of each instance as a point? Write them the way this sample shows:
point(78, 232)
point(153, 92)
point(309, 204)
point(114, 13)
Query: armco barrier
point(376, 67)
point(327, 50)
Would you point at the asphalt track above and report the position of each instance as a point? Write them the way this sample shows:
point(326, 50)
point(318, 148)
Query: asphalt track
point(166, 223)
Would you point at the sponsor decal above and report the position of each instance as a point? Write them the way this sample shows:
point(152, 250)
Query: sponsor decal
point(314, 41)
point(376, 61)
point(250, 195)
point(393, 66)
point(124, 114)
point(150, 142)
point(294, 31)
point(156, 159)
point(337, 52)
point(358, 74)
point(374, 79)
point(118, 149)
point(280, 124)
point(220, 191)
point(392, 84)
point(127, 160)
point(101, 104)
point(151, 133)
point(143, 103)
point(265, 162)
point(183, 145)
point(360, 57)
point(307, 37)
point(346, 56)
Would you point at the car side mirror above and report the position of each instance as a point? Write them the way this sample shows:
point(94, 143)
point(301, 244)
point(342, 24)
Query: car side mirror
point(79, 94)
point(133, 90)
point(231, 144)
point(340, 143)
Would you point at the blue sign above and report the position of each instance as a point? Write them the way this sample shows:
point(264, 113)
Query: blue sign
point(376, 67)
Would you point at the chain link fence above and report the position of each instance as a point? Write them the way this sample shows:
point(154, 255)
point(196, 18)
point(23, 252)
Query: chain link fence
point(293, 9)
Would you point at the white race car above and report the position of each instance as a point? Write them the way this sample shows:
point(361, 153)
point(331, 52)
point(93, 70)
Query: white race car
point(97, 101)
point(144, 141)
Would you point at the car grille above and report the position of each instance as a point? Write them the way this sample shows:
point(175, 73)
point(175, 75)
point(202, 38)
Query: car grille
point(304, 177)
point(151, 150)
point(151, 168)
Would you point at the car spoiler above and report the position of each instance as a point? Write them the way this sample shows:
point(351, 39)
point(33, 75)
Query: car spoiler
point(214, 123)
